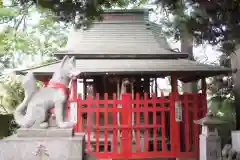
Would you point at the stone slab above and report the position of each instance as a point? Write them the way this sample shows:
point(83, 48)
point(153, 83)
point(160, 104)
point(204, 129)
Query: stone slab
point(235, 140)
point(210, 147)
point(42, 148)
point(49, 132)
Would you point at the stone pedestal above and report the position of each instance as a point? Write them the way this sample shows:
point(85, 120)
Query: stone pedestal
point(41, 144)
point(210, 142)
point(210, 147)
point(236, 140)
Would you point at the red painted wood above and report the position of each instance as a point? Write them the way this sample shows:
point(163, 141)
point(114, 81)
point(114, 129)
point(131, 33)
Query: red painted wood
point(97, 132)
point(186, 121)
point(106, 124)
point(138, 148)
point(126, 121)
point(125, 108)
point(163, 122)
point(115, 130)
point(196, 127)
point(89, 125)
point(79, 115)
point(154, 98)
point(146, 121)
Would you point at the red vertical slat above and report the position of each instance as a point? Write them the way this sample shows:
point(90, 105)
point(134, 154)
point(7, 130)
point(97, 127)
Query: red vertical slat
point(172, 122)
point(106, 122)
point(79, 115)
point(177, 127)
point(130, 126)
point(138, 148)
point(154, 111)
point(88, 104)
point(163, 125)
point(186, 121)
point(114, 138)
point(97, 122)
point(146, 134)
point(126, 120)
point(195, 126)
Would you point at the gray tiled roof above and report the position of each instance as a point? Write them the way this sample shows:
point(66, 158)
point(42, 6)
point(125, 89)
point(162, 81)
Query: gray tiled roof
point(137, 37)
point(134, 66)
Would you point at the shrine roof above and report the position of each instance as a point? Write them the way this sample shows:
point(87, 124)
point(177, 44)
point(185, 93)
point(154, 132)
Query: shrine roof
point(185, 69)
point(121, 34)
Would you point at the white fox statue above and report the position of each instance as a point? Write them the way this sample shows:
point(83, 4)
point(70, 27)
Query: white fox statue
point(33, 112)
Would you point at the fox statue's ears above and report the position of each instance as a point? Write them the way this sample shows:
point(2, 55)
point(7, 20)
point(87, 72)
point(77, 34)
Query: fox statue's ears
point(72, 60)
point(64, 60)
point(69, 60)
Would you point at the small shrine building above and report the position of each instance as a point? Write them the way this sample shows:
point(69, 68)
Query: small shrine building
point(120, 59)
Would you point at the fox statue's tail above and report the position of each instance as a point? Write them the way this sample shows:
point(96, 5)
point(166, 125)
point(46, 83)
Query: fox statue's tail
point(30, 88)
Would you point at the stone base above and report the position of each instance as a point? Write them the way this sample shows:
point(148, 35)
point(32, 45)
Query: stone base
point(49, 132)
point(210, 147)
point(235, 140)
point(42, 148)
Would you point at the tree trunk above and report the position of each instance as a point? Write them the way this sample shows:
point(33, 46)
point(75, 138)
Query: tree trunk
point(187, 47)
point(235, 59)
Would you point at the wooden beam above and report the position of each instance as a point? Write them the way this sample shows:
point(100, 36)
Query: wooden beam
point(174, 83)
point(156, 86)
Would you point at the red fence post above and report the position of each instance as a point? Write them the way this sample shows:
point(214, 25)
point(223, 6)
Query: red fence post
point(126, 122)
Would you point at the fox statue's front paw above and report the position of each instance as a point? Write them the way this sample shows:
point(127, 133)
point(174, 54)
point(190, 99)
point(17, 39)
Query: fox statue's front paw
point(66, 125)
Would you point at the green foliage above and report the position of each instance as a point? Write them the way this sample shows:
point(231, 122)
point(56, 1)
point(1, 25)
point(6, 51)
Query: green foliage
point(68, 10)
point(7, 125)
point(216, 22)
point(12, 93)
point(7, 12)
point(21, 37)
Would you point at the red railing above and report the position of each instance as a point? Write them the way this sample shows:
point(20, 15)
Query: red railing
point(142, 127)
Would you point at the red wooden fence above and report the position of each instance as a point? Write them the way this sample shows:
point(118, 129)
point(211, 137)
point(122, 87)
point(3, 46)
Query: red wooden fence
point(146, 127)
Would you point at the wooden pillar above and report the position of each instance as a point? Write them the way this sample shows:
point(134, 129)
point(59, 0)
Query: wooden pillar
point(138, 85)
point(118, 89)
point(146, 85)
point(174, 83)
point(84, 88)
point(156, 86)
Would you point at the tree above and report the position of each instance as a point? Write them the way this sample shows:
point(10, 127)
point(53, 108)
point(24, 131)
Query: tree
point(21, 37)
point(216, 23)
point(12, 93)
